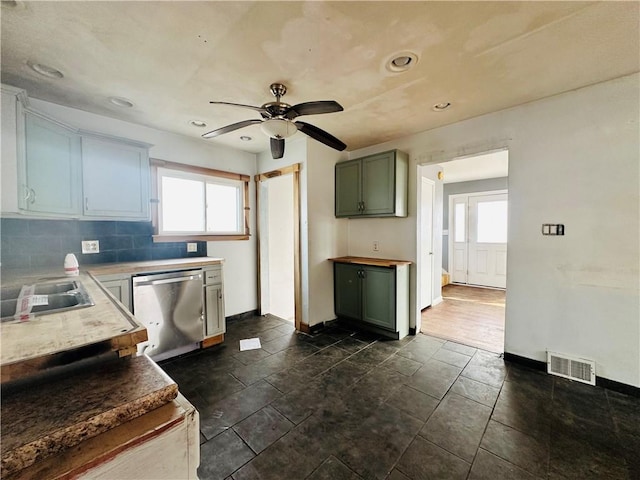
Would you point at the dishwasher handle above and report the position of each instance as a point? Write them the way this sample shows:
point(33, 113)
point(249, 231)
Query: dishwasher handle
point(169, 280)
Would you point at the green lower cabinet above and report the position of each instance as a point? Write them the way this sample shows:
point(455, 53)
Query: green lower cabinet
point(348, 290)
point(379, 297)
point(374, 297)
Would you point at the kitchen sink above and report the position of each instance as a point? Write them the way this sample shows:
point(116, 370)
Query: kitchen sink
point(54, 297)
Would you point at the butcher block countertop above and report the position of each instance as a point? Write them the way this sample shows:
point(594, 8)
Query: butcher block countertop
point(153, 265)
point(63, 411)
point(376, 262)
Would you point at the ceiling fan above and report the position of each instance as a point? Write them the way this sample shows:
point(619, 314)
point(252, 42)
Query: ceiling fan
point(278, 121)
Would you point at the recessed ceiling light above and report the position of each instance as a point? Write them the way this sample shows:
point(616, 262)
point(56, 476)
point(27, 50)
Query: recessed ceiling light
point(121, 102)
point(197, 123)
point(440, 107)
point(46, 70)
point(401, 62)
point(245, 138)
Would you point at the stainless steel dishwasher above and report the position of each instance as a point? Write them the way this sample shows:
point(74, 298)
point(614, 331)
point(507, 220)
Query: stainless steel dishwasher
point(170, 306)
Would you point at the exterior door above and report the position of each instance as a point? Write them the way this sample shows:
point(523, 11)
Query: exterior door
point(487, 261)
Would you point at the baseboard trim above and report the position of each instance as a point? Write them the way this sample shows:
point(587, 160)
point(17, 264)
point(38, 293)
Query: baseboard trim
point(241, 316)
point(600, 381)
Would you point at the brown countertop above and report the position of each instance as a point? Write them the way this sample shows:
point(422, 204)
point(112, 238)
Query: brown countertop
point(377, 262)
point(151, 265)
point(56, 414)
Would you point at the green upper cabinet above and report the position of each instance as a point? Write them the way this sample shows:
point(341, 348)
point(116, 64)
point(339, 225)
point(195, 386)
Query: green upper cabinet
point(372, 186)
point(348, 188)
point(50, 171)
point(115, 178)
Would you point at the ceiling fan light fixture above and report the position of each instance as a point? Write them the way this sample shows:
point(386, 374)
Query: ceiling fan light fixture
point(278, 128)
point(401, 62)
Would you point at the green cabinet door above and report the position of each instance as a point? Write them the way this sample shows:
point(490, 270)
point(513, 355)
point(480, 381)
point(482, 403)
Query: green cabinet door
point(378, 184)
point(50, 173)
point(347, 290)
point(348, 188)
point(379, 297)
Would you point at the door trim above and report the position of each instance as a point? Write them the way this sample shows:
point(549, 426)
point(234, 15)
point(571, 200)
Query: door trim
point(297, 289)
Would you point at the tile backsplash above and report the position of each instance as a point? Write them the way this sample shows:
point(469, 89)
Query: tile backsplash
point(29, 243)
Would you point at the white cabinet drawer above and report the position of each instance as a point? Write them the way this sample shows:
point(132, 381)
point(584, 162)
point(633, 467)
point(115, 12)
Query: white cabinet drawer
point(212, 277)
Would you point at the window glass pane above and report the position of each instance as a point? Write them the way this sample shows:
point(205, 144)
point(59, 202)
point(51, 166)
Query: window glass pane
point(182, 205)
point(460, 221)
point(492, 222)
point(223, 208)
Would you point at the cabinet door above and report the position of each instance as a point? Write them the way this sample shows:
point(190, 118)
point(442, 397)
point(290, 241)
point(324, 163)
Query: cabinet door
point(115, 179)
point(378, 184)
point(120, 289)
point(214, 311)
point(379, 297)
point(51, 171)
point(348, 189)
point(347, 290)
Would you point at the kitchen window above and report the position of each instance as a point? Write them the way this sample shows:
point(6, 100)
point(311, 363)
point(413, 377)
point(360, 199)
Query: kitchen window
point(194, 203)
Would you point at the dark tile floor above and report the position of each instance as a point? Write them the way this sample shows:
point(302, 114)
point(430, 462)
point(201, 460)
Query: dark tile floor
point(348, 405)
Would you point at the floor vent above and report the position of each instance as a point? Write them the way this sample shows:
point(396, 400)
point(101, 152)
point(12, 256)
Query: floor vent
point(573, 368)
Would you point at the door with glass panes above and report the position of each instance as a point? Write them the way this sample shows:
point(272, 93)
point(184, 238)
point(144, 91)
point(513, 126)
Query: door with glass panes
point(479, 243)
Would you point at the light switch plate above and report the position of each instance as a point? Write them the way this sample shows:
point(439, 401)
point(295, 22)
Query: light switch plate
point(192, 247)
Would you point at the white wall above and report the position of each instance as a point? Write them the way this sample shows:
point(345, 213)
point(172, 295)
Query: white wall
point(573, 159)
point(327, 234)
point(240, 256)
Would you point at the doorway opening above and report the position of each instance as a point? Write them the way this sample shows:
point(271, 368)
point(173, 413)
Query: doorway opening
point(474, 261)
point(279, 243)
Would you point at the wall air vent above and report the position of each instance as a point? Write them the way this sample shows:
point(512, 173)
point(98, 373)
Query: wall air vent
point(573, 368)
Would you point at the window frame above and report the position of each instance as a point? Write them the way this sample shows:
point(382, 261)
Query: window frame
point(157, 164)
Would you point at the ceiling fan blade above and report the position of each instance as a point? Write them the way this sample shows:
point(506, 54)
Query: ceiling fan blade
point(277, 147)
point(320, 135)
point(231, 128)
point(313, 108)
point(257, 109)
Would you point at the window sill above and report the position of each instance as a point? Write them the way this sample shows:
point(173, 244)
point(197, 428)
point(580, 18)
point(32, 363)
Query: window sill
point(197, 238)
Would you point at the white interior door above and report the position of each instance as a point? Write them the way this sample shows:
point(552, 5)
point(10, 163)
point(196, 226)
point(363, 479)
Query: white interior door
point(426, 236)
point(487, 252)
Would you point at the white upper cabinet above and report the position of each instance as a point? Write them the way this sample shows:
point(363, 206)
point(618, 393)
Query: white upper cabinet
point(66, 173)
point(50, 177)
point(115, 177)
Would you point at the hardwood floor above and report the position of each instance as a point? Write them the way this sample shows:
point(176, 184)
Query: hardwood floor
point(469, 315)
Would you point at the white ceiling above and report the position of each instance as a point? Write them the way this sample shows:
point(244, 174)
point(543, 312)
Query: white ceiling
point(477, 167)
point(171, 58)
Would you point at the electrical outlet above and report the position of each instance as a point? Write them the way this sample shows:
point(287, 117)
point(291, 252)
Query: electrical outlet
point(192, 247)
point(376, 245)
point(90, 246)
